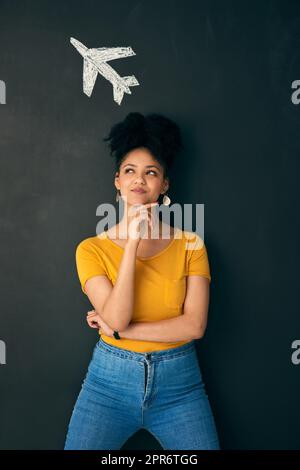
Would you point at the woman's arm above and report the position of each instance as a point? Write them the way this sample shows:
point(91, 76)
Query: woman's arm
point(105, 298)
point(115, 303)
point(172, 329)
point(190, 325)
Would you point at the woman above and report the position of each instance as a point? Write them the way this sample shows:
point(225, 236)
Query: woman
point(150, 296)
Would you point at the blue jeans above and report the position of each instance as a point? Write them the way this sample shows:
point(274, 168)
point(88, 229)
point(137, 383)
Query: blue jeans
point(124, 391)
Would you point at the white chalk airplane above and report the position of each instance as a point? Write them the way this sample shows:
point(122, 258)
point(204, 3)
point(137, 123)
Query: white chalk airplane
point(94, 62)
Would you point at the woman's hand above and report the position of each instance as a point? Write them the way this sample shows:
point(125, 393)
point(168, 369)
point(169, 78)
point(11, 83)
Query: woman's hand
point(140, 221)
point(95, 321)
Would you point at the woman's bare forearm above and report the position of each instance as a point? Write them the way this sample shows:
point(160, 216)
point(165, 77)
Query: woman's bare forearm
point(172, 329)
point(118, 308)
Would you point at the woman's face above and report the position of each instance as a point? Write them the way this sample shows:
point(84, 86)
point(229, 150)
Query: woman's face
point(141, 170)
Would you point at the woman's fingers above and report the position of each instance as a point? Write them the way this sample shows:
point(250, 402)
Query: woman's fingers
point(92, 312)
point(151, 204)
point(138, 217)
point(93, 323)
point(137, 209)
point(146, 216)
point(149, 218)
point(151, 221)
point(92, 319)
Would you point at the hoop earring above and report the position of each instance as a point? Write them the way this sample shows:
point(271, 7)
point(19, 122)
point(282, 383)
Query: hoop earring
point(118, 196)
point(166, 200)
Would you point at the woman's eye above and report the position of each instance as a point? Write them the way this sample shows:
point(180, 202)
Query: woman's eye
point(131, 169)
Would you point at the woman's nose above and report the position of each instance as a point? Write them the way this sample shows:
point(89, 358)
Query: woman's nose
point(140, 179)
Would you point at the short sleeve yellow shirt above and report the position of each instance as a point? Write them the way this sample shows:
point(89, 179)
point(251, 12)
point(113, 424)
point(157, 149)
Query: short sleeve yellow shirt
point(160, 280)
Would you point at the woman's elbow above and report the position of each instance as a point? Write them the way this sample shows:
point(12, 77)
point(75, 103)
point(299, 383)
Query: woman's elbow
point(200, 332)
point(116, 324)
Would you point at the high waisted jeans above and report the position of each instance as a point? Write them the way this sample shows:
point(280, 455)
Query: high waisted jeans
point(124, 391)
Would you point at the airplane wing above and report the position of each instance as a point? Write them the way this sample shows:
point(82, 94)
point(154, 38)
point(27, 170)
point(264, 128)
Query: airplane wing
point(90, 73)
point(130, 80)
point(105, 54)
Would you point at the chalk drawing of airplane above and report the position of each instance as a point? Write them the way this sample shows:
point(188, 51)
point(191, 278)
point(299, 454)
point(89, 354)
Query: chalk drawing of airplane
point(94, 62)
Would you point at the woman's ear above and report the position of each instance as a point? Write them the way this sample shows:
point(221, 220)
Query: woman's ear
point(166, 184)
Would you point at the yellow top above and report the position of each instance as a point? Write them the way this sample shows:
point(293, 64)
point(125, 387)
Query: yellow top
point(160, 280)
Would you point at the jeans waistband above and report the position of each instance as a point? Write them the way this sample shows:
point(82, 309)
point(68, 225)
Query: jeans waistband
point(152, 356)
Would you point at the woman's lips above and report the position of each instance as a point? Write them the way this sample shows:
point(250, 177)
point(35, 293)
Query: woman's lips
point(138, 191)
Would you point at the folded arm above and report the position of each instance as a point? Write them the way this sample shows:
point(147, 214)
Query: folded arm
point(191, 324)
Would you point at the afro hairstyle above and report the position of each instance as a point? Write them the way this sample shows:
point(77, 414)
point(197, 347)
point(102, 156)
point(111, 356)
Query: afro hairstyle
point(156, 133)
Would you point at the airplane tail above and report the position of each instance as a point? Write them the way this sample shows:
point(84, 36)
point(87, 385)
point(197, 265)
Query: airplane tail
point(130, 80)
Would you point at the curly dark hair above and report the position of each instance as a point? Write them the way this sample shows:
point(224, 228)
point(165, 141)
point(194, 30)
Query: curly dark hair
point(158, 134)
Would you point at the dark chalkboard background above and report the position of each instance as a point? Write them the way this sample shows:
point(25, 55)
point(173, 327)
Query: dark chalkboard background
point(223, 72)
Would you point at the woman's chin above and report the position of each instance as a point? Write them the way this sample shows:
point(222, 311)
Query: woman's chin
point(138, 198)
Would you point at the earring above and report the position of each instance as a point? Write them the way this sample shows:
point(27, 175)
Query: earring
point(166, 200)
point(118, 196)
